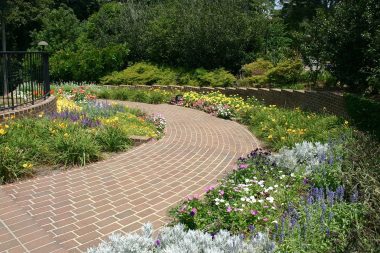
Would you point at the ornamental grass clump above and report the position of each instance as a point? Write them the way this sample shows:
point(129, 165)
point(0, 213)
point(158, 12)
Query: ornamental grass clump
point(177, 239)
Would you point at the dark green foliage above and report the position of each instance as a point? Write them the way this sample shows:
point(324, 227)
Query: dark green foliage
point(60, 27)
point(285, 72)
point(152, 96)
point(365, 113)
point(294, 12)
point(148, 74)
point(209, 34)
point(88, 63)
point(361, 170)
point(113, 139)
point(348, 39)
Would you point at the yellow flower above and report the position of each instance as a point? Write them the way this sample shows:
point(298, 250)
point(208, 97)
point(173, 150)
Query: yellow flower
point(346, 122)
point(283, 138)
point(66, 135)
point(270, 137)
point(27, 165)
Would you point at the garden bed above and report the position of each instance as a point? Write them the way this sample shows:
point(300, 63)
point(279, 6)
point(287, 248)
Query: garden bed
point(82, 131)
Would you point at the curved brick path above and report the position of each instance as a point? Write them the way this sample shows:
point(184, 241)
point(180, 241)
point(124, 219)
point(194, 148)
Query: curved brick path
point(70, 211)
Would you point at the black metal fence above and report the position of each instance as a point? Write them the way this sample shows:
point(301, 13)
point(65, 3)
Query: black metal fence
point(24, 78)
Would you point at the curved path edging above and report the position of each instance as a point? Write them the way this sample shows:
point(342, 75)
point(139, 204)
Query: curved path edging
point(78, 208)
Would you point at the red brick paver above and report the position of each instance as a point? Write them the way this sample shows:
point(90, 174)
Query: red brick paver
point(73, 210)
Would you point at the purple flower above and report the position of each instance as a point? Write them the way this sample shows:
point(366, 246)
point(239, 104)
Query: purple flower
point(251, 228)
point(254, 212)
point(265, 219)
point(158, 242)
point(193, 212)
point(340, 193)
point(243, 166)
point(221, 192)
point(229, 209)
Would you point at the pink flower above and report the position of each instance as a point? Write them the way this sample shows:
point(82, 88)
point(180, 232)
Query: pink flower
point(229, 209)
point(210, 188)
point(254, 212)
point(265, 219)
point(243, 166)
point(191, 197)
point(221, 192)
point(193, 212)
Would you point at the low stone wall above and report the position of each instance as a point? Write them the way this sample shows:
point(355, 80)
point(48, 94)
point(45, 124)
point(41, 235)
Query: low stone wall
point(47, 106)
point(314, 101)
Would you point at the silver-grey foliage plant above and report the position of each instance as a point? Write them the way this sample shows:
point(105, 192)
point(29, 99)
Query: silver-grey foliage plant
point(305, 155)
point(177, 240)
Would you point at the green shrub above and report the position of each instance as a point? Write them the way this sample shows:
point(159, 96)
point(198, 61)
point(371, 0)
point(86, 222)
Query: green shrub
point(365, 113)
point(253, 81)
point(151, 96)
point(148, 74)
point(257, 68)
point(88, 63)
point(216, 78)
point(286, 72)
point(141, 73)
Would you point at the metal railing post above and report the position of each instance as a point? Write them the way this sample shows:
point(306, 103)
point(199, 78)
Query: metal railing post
point(46, 74)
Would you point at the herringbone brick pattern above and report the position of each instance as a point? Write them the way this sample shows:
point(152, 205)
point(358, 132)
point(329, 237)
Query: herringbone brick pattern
point(71, 211)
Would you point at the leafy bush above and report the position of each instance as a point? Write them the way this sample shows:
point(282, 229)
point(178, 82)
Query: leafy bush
point(285, 72)
point(151, 96)
point(142, 73)
point(253, 81)
point(148, 74)
point(257, 68)
point(365, 113)
point(60, 27)
point(177, 239)
point(216, 78)
point(88, 62)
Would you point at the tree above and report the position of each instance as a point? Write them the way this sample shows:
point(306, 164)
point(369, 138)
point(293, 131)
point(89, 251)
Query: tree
point(21, 17)
point(209, 34)
point(60, 28)
point(348, 38)
point(295, 12)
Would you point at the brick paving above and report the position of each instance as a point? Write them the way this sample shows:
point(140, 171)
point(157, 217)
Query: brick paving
point(71, 211)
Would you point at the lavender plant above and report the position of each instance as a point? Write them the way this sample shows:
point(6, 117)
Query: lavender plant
point(177, 239)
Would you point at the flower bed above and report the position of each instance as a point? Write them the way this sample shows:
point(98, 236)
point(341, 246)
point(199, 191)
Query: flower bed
point(81, 131)
point(277, 127)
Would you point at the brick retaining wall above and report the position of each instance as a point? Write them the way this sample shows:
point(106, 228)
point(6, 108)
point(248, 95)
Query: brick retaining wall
point(47, 106)
point(315, 101)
